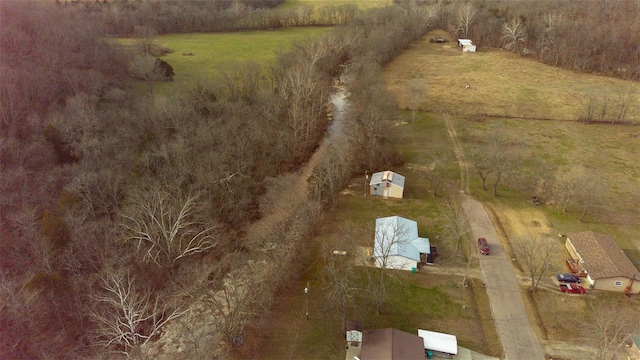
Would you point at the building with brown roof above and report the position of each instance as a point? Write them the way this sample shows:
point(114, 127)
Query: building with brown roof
point(388, 344)
point(608, 268)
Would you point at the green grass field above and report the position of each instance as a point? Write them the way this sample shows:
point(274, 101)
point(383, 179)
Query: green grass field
point(198, 57)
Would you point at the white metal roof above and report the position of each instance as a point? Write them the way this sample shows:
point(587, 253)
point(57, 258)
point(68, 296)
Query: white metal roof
point(439, 342)
point(383, 176)
point(396, 235)
point(465, 42)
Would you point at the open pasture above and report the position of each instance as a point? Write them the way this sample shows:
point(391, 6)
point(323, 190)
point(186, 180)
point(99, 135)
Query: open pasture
point(197, 57)
point(503, 84)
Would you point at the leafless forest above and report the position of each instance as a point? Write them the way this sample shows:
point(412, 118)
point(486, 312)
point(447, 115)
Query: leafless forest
point(120, 210)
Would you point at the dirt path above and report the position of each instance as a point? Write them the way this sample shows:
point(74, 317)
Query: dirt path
point(457, 149)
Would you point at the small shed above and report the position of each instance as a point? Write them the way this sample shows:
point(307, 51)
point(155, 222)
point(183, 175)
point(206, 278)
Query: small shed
point(606, 265)
point(397, 244)
point(466, 45)
point(353, 332)
point(387, 184)
point(440, 344)
point(353, 336)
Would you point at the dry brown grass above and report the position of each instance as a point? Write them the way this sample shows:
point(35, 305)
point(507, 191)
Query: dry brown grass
point(501, 83)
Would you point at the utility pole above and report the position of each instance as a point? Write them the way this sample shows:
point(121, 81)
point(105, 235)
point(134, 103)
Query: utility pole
point(366, 182)
point(306, 291)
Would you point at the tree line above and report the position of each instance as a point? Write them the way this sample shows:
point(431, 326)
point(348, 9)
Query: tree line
point(121, 210)
point(592, 36)
point(589, 36)
point(120, 17)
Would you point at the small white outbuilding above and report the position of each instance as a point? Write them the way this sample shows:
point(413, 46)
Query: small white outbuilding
point(387, 184)
point(466, 45)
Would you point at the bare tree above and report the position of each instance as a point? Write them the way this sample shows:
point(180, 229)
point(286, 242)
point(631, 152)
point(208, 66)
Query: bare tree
point(536, 255)
point(143, 67)
point(466, 15)
point(439, 167)
point(329, 176)
point(567, 181)
point(514, 35)
point(241, 295)
point(506, 161)
point(608, 326)
point(389, 236)
point(481, 161)
point(471, 254)
point(240, 81)
point(590, 104)
point(623, 105)
point(127, 316)
point(456, 222)
point(590, 194)
point(338, 274)
point(145, 40)
point(499, 157)
point(416, 90)
point(166, 228)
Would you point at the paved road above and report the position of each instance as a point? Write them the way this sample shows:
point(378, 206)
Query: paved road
point(516, 333)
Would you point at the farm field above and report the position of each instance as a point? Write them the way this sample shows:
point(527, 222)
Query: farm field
point(502, 84)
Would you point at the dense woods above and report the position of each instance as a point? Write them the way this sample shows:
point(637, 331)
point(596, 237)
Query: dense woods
point(120, 211)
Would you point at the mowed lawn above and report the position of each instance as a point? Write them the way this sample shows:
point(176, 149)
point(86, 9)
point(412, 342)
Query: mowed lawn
point(502, 84)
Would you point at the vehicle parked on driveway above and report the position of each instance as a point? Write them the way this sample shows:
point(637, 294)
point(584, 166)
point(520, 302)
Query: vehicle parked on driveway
point(483, 246)
point(567, 278)
point(576, 267)
point(571, 289)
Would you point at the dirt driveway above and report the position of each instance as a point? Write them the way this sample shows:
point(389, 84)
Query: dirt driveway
point(514, 328)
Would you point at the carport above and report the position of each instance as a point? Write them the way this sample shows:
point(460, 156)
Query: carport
point(439, 343)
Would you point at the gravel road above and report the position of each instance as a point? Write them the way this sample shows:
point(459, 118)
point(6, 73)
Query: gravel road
point(516, 333)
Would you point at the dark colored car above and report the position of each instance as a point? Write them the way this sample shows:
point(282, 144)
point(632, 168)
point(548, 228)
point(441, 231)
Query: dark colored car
point(567, 278)
point(483, 246)
point(571, 289)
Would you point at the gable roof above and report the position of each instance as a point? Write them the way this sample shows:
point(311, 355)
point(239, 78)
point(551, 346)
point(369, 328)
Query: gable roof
point(602, 257)
point(463, 42)
point(396, 235)
point(390, 344)
point(387, 176)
